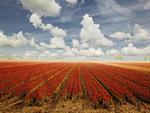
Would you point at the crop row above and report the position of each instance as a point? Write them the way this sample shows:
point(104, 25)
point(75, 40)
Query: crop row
point(47, 86)
point(95, 90)
point(99, 83)
point(22, 75)
point(25, 82)
point(125, 80)
point(73, 85)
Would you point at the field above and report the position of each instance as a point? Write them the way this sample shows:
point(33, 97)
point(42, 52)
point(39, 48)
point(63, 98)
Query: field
point(82, 87)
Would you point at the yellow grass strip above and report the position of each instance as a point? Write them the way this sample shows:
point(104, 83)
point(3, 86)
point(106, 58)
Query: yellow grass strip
point(137, 68)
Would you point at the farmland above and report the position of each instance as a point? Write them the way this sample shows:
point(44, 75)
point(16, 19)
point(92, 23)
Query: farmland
point(55, 86)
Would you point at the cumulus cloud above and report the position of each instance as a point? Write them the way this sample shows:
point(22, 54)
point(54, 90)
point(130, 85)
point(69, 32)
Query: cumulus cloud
point(91, 33)
point(77, 53)
point(112, 52)
point(33, 54)
point(85, 45)
point(75, 43)
point(18, 40)
point(32, 43)
point(147, 50)
point(130, 50)
point(37, 22)
point(145, 3)
point(55, 43)
point(138, 34)
point(42, 7)
point(14, 41)
point(120, 35)
point(58, 32)
point(72, 2)
point(91, 52)
point(48, 54)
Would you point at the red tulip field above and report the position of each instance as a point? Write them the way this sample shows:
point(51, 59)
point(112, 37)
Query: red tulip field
point(101, 85)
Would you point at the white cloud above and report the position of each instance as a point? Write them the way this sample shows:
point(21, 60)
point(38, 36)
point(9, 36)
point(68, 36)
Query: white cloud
point(120, 35)
point(147, 50)
point(91, 52)
point(18, 40)
point(72, 2)
point(55, 43)
point(37, 22)
point(140, 33)
point(145, 3)
point(84, 45)
point(91, 33)
point(32, 43)
point(45, 45)
point(111, 7)
point(42, 7)
point(130, 50)
point(68, 53)
point(45, 54)
point(31, 53)
point(112, 52)
point(75, 43)
point(58, 32)
point(80, 48)
point(77, 53)
point(14, 41)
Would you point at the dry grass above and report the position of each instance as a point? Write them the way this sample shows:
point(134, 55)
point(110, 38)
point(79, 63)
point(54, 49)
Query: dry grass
point(73, 106)
point(136, 68)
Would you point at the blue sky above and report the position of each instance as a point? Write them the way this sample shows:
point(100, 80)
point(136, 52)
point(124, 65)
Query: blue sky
point(75, 29)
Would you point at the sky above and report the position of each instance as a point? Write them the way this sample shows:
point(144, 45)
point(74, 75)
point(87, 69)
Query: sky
point(75, 29)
